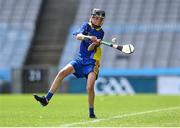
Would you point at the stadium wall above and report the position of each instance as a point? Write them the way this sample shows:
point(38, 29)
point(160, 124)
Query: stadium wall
point(5, 80)
point(117, 81)
point(110, 81)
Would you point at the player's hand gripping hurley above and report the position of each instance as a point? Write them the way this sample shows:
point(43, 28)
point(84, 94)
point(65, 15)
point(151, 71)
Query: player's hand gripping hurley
point(127, 48)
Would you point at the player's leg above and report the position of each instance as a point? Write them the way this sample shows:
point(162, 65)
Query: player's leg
point(91, 94)
point(68, 69)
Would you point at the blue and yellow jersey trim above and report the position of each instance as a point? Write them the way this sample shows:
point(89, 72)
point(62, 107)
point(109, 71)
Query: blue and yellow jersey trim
point(96, 67)
point(98, 54)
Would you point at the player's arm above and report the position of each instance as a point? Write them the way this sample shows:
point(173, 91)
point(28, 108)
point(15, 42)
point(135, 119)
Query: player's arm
point(80, 36)
point(96, 42)
point(94, 45)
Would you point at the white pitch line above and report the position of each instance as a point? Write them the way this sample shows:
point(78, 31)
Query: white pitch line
point(120, 116)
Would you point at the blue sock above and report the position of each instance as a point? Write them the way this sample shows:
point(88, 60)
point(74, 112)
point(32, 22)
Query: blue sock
point(91, 111)
point(49, 95)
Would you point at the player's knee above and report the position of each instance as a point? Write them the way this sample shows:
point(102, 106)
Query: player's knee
point(62, 73)
point(90, 88)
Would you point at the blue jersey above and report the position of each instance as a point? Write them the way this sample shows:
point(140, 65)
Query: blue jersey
point(88, 61)
point(86, 29)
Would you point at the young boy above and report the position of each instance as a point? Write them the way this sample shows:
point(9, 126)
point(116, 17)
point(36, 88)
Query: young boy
point(87, 64)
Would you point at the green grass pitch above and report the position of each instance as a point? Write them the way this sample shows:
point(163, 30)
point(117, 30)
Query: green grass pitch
point(72, 110)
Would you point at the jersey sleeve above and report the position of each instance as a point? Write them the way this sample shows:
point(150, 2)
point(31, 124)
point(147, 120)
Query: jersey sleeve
point(82, 29)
